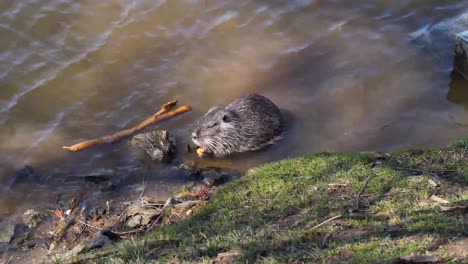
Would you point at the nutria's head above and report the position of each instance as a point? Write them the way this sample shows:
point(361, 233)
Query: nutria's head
point(217, 132)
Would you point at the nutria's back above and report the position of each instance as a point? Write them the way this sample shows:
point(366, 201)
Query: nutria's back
point(249, 123)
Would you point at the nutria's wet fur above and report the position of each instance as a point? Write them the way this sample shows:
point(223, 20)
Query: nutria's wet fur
point(249, 123)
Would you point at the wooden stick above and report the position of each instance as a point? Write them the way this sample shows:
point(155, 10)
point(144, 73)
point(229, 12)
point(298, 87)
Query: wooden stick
point(161, 115)
point(358, 196)
point(326, 221)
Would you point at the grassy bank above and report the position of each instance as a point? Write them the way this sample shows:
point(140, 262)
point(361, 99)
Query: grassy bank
point(385, 206)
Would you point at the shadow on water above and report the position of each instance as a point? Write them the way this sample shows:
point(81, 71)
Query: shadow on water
point(458, 90)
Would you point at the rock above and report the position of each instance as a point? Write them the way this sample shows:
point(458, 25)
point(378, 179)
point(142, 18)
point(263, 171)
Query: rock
point(141, 215)
point(188, 166)
point(32, 218)
point(186, 193)
point(159, 144)
point(460, 63)
point(100, 241)
point(190, 171)
point(78, 249)
point(7, 234)
point(106, 180)
point(27, 175)
point(3, 247)
point(97, 179)
point(96, 213)
point(212, 177)
point(439, 39)
point(107, 186)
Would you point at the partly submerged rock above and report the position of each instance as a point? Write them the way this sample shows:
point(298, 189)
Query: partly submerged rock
point(32, 218)
point(105, 181)
point(7, 234)
point(159, 144)
point(460, 63)
point(27, 175)
point(98, 179)
point(190, 172)
point(212, 177)
point(439, 39)
point(100, 241)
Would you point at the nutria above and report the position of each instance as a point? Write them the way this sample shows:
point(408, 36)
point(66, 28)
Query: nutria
point(247, 124)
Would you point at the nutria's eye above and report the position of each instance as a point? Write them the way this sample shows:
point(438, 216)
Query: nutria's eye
point(213, 125)
point(226, 119)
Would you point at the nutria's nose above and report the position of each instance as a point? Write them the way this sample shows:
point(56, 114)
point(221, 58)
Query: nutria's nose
point(194, 136)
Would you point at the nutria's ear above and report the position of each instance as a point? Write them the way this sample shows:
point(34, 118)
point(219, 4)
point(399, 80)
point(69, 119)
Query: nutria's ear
point(226, 118)
point(212, 109)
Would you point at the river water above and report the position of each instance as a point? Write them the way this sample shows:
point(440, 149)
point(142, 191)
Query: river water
point(347, 75)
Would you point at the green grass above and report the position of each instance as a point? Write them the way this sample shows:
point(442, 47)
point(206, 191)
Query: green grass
point(269, 215)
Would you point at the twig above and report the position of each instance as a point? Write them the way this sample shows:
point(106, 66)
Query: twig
point(165, 208)
point(450, 208)
point(86, 224)
point(79, 235)
point(326, 221)
point(145, 184)
point(131, 232)
point(437, 199)
point(358, 196)
point(61, 230)
point(9, 260)
point(187, 204)
point(337, 185)
point(157, 117)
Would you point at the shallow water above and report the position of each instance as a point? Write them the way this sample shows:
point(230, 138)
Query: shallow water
point(346, 74)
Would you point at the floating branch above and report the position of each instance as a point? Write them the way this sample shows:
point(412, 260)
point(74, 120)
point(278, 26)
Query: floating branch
point(161, 115)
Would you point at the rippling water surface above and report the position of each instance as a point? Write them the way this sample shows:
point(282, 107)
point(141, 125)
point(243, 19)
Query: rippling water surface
point(346, 73)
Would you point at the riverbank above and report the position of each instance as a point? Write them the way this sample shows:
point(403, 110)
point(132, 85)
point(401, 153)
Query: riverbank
point(328, 207)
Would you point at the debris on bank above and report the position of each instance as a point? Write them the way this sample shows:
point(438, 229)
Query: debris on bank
point(75, 228)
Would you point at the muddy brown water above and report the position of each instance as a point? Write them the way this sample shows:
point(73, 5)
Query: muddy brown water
point(345, 73)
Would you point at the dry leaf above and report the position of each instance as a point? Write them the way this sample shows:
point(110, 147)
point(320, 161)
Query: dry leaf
point(432, 183)
point(438, 199)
